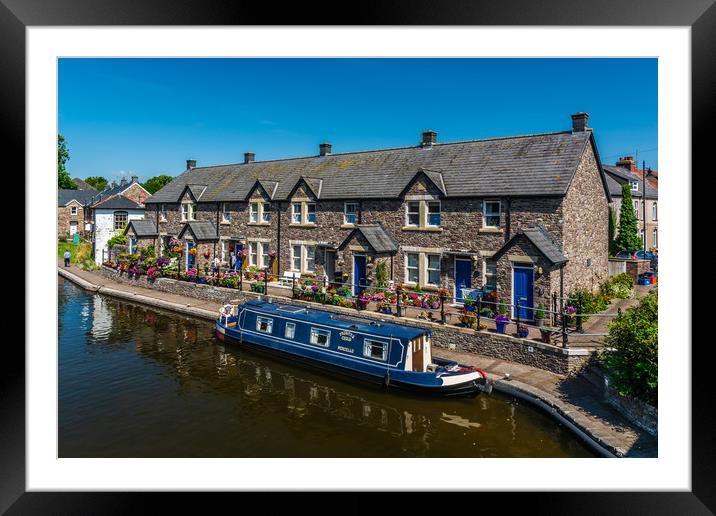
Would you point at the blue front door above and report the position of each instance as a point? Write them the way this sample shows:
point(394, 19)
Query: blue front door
point(522, 289)
point(463, 273)
point(359, 275)
point(238, 259)
point(189, 257)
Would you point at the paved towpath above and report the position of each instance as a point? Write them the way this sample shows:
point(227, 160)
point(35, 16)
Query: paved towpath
point(572, 400)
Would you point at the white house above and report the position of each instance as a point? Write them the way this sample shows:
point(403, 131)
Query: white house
point(110, 217)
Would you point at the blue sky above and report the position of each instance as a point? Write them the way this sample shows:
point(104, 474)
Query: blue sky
point(148, 116)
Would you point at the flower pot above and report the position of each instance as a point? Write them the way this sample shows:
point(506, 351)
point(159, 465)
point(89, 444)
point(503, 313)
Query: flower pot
point(523, 334)
point(500, 327)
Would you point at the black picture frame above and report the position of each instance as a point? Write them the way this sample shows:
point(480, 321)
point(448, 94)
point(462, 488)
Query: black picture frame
point(700, 15)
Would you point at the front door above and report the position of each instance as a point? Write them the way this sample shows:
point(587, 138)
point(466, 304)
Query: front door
point(522, 291)
point(330, 258)
point(238, 259)
point(189, 256)
point(359, 275)
point(73, 227)
point(463, 275)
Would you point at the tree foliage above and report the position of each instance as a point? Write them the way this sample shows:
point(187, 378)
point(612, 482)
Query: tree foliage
point(156, 183)
point(64, 180)
point(628, 238)
point(97, 182)
point(632, 359)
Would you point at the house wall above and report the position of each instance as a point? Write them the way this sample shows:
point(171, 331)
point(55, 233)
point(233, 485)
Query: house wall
point(104, 228)
point(652, 223)
point(585, 233)
point(136, 192)
point(64, 217)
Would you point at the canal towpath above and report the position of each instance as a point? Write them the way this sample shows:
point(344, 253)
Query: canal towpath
point(572, 400)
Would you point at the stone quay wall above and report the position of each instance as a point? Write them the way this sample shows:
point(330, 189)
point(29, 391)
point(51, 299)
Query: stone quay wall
point(503, 347)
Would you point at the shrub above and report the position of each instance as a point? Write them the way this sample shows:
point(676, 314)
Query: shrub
point(620, 286)
point(632, 357)
point(117, 239)
point(588, 303)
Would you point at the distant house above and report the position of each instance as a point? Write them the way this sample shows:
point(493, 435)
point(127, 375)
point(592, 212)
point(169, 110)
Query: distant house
point(72, 212)
point(645, 200)
point(82, 185)
point(111, 210)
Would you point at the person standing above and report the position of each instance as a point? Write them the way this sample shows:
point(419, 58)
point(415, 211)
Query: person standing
point(232, 260)
point(217, 263)
point(67, 258)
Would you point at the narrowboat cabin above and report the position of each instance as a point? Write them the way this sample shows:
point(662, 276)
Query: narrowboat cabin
point(383, 353)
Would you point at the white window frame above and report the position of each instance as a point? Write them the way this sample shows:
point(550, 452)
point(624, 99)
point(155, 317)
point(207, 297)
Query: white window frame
point(293, 257)
point(408, 213)
point(408, 268)
point(654, 211)
point(254, 212)
point(305, 264)
point(189, 214)
point(253, 254)
point(346, 213)
point(303, 258)
point(634, 186)
point(225, 213)
point(269, 324)
point(485, 262)
point(367, 344)
point(162, 212)
point(654, 238)
point(296, 215)
point(315, 332)
point(315, 211)
point(428, 269)
point(485, 214)
point(265, 213)
point(114, 220)
point(427, 214)
point(73, 210)
point(292, 334)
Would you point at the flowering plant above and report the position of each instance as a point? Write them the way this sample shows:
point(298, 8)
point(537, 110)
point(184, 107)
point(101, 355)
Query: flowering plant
point(502, 318)
point(570, 311)
point(243, 252)
point(152, 273)
point(192, 251)
point(178, 249)
point(207, 253)
point(161, 262)
point(191, 272)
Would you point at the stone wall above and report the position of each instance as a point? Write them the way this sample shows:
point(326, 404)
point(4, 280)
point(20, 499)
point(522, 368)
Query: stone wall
point(64, 217)
point(639, 413)
point(635, 268)
point(504, 347)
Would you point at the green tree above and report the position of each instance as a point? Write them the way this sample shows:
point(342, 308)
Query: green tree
point(97, 182)
point(628, 238)
point(156, 183)
point(633, 342)
point(612, 232)
point(64, 180)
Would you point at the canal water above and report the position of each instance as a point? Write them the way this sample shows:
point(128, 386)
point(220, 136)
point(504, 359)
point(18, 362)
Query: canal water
point(137, 382)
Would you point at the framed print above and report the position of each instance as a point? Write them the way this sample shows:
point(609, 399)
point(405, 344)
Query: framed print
point(416, 252)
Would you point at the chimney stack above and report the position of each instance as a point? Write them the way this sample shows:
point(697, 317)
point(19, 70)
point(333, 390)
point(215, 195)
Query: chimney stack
point(628, 163)
point(325, 149)
point(579, 122)
point(135, 179)
point(190, 163)
point(123, 181)
point(249, 157)
point(430, 138)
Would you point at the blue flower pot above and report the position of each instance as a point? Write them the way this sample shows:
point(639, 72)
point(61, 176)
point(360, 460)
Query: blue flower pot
point(500, 326)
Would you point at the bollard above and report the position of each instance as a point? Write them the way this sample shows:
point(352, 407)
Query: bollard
point(442, 308)
point(398, 308)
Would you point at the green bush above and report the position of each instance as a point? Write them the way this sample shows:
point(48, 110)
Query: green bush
point(588, 303)
point(633, 348)
point(117, 239)
point(620, 286)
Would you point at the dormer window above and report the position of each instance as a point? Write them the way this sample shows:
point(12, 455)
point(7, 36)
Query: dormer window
point(303, 211)
point(259, 213)
point(187, 211)
point(634, 186)
point(310, 212)
point(266, 213)
point(254, 212)
point(296, 213)
point(413, 214)
point(73, 210)
point(433, 213)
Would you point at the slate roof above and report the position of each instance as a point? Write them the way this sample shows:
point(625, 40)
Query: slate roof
point(202, 230)
point(541, 164)
point(543, 241)
point(617, 176)
point(83, 185)
point(377, 236)
point(109, 192)
point(118, 202)
point(142, 228)
point(65, 195)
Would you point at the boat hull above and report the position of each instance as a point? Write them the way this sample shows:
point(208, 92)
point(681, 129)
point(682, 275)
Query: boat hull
point(470, 388)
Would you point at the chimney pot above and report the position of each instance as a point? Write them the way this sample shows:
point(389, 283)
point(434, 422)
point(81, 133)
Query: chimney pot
point(429, 138)
point(627, 162)
point(325, 149)
point(249, 157)
point(190, 163)
point(579, 122)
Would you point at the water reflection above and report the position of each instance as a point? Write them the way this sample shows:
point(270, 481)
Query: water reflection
point(138, 382)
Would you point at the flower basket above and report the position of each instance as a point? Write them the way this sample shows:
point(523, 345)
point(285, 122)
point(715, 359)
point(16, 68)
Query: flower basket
point(522, 331)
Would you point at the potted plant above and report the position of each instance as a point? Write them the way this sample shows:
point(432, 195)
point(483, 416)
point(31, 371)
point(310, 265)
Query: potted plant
point(545, 335)
point(501, 322)
point(522, 331)
point(539, 315)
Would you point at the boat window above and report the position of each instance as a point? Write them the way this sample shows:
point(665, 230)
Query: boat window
point(375, 349)
point(320, 337)
point(290, 330)
point(264, 325)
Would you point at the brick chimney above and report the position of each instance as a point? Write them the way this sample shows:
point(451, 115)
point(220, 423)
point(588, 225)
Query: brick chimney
point(628, 163)
point(249, 157)
point(190, 163)
point(579, 122)
point(325, 149)
point(429, 138)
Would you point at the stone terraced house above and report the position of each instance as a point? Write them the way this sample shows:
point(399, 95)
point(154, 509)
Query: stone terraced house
point(525, 215)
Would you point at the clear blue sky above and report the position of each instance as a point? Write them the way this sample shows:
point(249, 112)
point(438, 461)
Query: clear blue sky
point(148, 116)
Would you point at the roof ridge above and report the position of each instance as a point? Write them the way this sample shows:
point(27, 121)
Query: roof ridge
point(495, 138)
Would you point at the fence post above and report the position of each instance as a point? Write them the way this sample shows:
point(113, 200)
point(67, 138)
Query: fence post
point(554, 309)
point(565, 342)
point(579, 316)
point(517, 313)
point(479, 309)
point(398, 308)
point(442, 308)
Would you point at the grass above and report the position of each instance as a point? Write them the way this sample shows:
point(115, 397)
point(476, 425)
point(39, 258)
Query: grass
point(83, 249)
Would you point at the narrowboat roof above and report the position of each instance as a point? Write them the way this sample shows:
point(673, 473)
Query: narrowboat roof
point(338, 321)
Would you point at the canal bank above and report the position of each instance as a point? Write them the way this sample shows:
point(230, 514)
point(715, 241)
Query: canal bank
point(570, 400)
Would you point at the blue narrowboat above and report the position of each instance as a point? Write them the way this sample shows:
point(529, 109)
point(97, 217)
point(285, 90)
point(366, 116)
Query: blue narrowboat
point(383, 353)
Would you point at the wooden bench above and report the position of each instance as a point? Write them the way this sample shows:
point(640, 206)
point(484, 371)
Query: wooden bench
point(287, 279)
